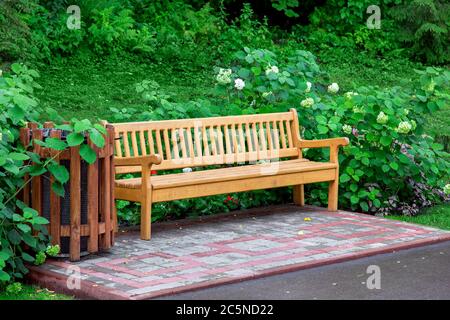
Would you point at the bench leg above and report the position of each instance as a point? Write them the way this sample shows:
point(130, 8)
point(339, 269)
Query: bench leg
point(116, 223)
point(333, 195)
point(299, 195)
point(146, 219)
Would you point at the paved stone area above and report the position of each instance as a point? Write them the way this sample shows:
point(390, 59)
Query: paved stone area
point(232, 249)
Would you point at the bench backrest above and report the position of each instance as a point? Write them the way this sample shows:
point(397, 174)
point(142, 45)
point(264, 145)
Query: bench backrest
point(209, 141)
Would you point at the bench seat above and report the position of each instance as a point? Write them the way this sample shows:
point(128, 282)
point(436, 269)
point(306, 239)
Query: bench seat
point(226, 174)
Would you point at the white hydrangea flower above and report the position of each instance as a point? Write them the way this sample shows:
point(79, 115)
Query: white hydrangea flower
point(347, 129)
point(308, 86)
point(307, 103)
point(404, 127)
point(239, 84)
point(224, 76)
point(186, 170)
point(406, 111)
point(382, 118)
point(273, 69)
point(333, 88)
point(357, 109)
point(447, 189)
point(350, 94)
point(413, 124)
point(1, 72)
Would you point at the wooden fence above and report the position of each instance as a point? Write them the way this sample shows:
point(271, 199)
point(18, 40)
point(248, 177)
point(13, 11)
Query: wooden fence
point(83, 221)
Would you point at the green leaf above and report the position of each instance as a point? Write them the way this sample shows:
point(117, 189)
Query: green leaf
point(365, 161)
point(100, 128)
point(322, 129)
point(27, 257)
point(55, 144)
point(39, 220)
point(385, 141)
point(385, 168)
point(14, 237)
point(353, 187)
point(4, 255)
point(18, 156)
point(87, 154)
point(344, 178)
point(4, 276)
point(321, 119)
point(16, 68)
point(354, 199)
point(75, 139)
point(394, 165)
point(58, 188)
point(82, 125)
point(97, 138)
point(59, 172)
point(29, 240)
point(28, 213)
point(364, 206)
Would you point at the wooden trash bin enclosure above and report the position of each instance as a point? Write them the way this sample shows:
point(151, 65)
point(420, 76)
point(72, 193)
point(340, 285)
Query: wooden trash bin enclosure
point(83, 220)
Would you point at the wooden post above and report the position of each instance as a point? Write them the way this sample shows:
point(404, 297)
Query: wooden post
point(333, 186)
point(92, 176)
point(75, 203)
point(55, 202)
point(298, 190)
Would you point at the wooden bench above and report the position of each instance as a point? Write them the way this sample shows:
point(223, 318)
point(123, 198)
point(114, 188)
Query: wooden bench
point(262, 151)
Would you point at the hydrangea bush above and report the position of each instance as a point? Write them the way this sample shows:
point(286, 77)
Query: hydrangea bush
point(391, 164)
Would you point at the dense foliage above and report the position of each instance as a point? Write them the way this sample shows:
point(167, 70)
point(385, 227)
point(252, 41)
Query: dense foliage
point(23, 236)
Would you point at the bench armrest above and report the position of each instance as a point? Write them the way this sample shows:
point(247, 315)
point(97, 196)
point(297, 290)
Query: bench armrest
point(332, 143)
point(322, 143)
point(144, 161)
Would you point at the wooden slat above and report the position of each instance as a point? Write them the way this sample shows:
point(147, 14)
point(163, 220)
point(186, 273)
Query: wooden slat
point(92, 209)
point(36, 181)
point(111, 227)
point(75, 204)
point(105, 197)
point(126, 144)
point(282, 134)
point(55, 200)
point(151, 142)
point(134, 143)
point(118, 145)
point(167, 144)
point(143, 143)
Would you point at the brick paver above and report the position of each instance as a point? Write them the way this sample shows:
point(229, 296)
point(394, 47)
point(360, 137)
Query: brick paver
point(227, 250)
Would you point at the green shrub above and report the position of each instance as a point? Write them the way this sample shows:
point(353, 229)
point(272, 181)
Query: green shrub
point(23, 236)
point(425, 28)
point(385, 128)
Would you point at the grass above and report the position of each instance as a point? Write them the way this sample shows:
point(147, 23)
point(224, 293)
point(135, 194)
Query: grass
point(438, 216)
point(34, 293)
point(85, 87)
